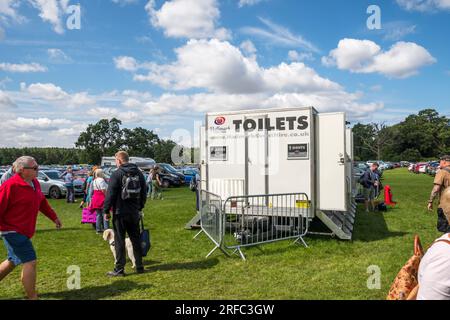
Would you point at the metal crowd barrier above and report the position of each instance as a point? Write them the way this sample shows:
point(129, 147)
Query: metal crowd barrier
point(245, 221)
point(211, 218)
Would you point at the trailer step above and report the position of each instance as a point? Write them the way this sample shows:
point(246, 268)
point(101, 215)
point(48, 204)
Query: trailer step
point(194, 223)
point(340, 223)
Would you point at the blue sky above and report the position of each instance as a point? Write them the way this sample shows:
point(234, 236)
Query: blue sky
point(163, 64)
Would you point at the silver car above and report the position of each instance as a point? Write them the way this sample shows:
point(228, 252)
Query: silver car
point(51, 184)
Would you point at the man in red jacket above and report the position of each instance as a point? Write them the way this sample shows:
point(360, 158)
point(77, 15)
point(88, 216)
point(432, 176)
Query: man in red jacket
point(21, 200)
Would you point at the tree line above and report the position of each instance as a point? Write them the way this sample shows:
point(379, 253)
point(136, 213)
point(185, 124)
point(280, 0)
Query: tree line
point(103, 138)
point(422, 136)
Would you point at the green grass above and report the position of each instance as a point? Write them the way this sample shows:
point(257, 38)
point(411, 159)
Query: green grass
point(177, 268)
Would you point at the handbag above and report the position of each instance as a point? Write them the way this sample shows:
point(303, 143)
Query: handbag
point(88, 216)
point(145, 238)
point(407, 279)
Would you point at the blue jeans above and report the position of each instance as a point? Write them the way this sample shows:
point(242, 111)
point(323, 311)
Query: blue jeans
point(101, 223)
point(70, 197)
point(19, 247)
point(149, 189)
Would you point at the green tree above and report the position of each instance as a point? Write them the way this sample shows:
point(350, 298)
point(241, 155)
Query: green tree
point(163, 151)
point(140, 142)
point(371, 139)
point(101, 139)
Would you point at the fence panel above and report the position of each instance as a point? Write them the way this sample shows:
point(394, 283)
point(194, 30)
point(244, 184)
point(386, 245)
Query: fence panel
point(211, 217)
point(259, 219)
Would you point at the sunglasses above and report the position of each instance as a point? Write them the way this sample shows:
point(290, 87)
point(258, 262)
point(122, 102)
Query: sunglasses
point(32, 168)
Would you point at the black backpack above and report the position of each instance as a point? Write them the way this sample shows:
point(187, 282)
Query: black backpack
point(131, 186)
point(382, 207)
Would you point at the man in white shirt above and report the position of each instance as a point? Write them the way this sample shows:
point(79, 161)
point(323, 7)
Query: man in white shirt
point(434, 269)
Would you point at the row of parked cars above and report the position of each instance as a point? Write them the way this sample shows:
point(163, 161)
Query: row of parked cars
point(430, 167)
point(51, 178)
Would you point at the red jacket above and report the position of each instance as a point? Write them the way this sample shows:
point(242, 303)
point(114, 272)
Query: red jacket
point(20, 205)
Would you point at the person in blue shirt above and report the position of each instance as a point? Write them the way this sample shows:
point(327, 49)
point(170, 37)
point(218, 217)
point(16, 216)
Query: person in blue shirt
point(68, 183)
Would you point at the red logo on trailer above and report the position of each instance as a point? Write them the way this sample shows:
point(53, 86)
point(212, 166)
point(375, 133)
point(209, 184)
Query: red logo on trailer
point(220, 121)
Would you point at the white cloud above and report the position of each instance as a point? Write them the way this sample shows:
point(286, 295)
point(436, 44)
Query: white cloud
point(233, 81)
point(25, 139)
point(52, 11)
point(302, 56)
point(248, 47)
point(220, 67)
point(9, 15)
point(424, 5)
point(279, 35)
point(243, 3)
point(22, 68)
point(126, 63)
point(8, 11)
point(30, 124)
point(73, 131)
point(402, 60)
point(193, 19)
point(58, 56)
point(397, 30)
point(5, 101)
point(46, 91)
point(108, 113)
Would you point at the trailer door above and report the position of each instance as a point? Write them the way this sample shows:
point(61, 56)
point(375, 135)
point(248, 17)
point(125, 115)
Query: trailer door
point(331, 166)
point(256, 160)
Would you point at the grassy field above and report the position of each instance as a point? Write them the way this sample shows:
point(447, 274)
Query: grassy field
point(177, 269)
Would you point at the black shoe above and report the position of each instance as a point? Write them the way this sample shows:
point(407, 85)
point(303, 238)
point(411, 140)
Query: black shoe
point(140, 271)
point(115, 273)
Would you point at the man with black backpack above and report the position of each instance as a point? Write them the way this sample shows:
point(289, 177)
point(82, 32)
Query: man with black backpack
point(441, 182)
point(126, 195)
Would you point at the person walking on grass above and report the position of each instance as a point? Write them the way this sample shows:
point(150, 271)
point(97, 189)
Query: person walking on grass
point(157, 183)
point(68, 183)
point(369, 181)
point(441, 183)
point(21, 199)
point(149, 182)
point(126, 196)
point(99, 187)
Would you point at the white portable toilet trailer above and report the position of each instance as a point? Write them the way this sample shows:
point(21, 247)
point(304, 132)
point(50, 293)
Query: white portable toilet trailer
point(276, 151)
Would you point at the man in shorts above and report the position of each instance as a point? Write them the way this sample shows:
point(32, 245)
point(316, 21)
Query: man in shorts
point(441, 183)
point(21, 199)
point(369, 181)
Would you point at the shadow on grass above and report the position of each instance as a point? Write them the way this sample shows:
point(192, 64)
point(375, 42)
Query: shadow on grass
point(95, 293)
point(194, 265)
point(372, 227)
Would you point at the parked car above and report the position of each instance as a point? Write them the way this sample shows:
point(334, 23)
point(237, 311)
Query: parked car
point(189, 174)
point(432, 167)
point(80, 177)
point(53, 188)
point(168, 179)
point(420, 167)
point(361, 165)
point(169, 170)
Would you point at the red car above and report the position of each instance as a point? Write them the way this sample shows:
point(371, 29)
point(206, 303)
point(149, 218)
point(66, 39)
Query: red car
point(418, 166)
